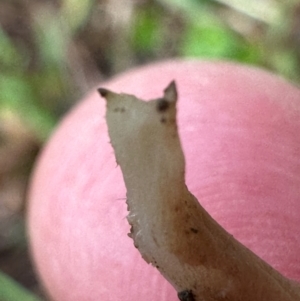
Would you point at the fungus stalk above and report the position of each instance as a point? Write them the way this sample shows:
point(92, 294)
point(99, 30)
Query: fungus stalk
point(169, 227)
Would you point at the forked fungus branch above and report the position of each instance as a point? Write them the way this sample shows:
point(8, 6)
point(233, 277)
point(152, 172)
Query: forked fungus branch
point(168, 225)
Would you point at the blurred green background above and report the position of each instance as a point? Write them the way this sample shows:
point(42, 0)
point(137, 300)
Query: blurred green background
point(52, 52)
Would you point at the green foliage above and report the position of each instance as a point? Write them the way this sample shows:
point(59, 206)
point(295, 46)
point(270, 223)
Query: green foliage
point(34, 94)
point(286, 63)
point(17, 91)
point(215, 41)
point(18, 95)
point(208, 41)
point(146, 31)
point(9, 57)
point(37, 95)
point(10, 290)
point(76, 12)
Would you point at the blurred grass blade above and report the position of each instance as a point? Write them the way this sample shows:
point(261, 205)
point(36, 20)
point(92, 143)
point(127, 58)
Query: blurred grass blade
point(191, 8)
point(9, 57)
point(76, 12)
point(146, 33)
point(10, 290)
point(17, 95)
point(262, 10)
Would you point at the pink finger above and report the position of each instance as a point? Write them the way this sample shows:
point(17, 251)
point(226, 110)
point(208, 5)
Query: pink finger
point(240, 133)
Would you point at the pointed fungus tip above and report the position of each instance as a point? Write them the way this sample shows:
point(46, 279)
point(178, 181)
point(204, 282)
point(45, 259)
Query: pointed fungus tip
point(103, 92)
point(170, 92)
point(171, 86)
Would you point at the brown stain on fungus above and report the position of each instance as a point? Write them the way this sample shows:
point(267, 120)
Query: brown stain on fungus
point(103, 92)
point(162, 105)
point(186, 295)
point(120, 110)
point(185, 240)
point(194, 230)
